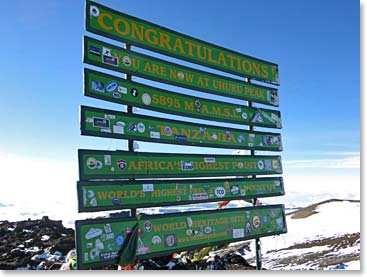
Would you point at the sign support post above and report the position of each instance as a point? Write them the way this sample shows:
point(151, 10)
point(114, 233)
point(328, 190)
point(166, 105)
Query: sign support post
point(129, 110)
point(257, 240)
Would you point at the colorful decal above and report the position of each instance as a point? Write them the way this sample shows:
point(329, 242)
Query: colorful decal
point(159, 70)
point(175, 103)
point(104, 21)
point(130, 165)
point(175, 232)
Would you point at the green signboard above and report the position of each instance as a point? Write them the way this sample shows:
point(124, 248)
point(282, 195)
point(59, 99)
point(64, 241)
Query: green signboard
point(116, 25)
point(100, 164)
point(99, 241)
point(113, 124)
point(116, 195)
point(109, 56)
point(111, 88)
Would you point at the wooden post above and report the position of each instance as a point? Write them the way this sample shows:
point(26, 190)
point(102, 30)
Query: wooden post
point(130, 142)
point(257, 240)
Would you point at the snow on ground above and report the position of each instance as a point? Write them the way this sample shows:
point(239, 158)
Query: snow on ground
point(335, 218)
point(353, 265)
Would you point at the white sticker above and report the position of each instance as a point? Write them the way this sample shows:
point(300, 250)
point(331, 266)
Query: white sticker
point(94, 253)
point(126, 61)
point(180, 75)
point(109, 116)
point(208, 230)
point(148, 187)
point(256, 221)
point(92, 233)
point(118, 129)
point(156, 240)
point(99, 244)
point(267, 164)
point(274, 116)
point(106, 52)
point(141, 127)
point(199, 196)
point(238, 110)
point(220, 192)
point(94, 11)
point(156, 135)
point(104, 130)
point(89, 120)
point(107, 159)
point(93, 202)
point(120, 123)
point(122, 90)
point(189, 221)
point(110, 236)
point(146, 98)
point(209, 160)
point(238, 233)
point(90, 193)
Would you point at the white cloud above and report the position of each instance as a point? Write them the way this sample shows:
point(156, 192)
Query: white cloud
point(326, 153)
point(347, 162)
point(303, 190)
point(30, 177)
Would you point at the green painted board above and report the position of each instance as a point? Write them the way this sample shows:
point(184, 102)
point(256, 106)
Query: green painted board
point(116, 195)
point(111, 57)
point(113, 124)
point(118, 90)
point(110, 23)
point(103, 164)
point(98, 241)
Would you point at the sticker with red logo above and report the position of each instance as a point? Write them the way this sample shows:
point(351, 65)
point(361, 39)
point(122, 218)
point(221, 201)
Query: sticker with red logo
point(121, 164)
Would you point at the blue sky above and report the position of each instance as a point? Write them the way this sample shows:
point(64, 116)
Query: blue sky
point(316, 44)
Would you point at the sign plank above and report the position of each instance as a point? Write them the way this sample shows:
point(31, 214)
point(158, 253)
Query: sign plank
point(111, 57)
point(116, 195)
point(118, 90)
point(99, 241)
point(101, 164)
point(110, 23)
point(113, 124)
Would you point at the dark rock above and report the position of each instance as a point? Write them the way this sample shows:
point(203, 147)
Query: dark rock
point(22, 240)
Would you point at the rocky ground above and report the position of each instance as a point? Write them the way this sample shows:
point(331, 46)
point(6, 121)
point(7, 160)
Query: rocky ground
point(320, 254)
point(43, 245)
point(34, 244)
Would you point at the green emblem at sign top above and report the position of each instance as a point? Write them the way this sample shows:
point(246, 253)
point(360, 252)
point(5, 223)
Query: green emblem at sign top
point(104, 21)
point(111, 88)
point(111, 57)
point(99, 164)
